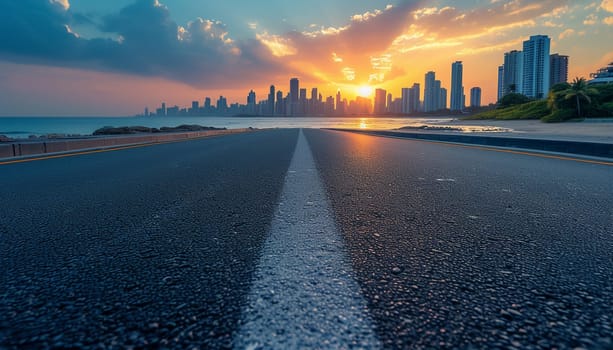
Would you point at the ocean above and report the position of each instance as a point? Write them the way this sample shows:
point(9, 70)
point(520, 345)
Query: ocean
point(23, 127)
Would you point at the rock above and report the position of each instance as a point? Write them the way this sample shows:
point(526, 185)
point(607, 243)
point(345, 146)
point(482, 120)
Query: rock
point(4, 138)
point(129, 130)
point(186, 128)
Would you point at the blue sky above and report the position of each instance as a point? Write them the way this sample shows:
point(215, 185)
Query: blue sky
point(272, 15)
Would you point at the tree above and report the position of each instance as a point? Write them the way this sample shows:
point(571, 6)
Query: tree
point(513, 99)
point(579, 91)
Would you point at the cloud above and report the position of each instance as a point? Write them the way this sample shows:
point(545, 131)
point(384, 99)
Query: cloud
point(64, 3)
point(145, 41)
point(567, 33)
point(449, 22)
point(364, 36)
point(608, 21)
point(607, 5)
point(590, 20)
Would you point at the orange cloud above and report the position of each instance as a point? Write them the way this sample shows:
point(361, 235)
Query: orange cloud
point(607, 5)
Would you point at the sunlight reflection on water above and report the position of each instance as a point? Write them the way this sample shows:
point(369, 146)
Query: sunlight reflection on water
point(20, 127)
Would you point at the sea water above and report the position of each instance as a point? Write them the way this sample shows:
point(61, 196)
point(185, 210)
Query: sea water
point(23, 127)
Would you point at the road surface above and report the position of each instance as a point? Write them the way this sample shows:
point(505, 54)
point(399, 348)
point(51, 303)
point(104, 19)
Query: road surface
point(288, 238)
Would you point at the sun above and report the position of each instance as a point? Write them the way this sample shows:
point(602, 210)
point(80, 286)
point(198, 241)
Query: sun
point(364, 91)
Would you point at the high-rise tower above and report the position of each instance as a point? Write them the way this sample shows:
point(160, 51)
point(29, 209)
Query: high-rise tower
point(536, 67)
point(431, 93)
point(294, 95)
point(513, 72)
point(558, 69)
point(457, 88)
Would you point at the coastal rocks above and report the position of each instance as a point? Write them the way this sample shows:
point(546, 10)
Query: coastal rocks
point(129, 130)
point(185, 128)
point(124, 130)
point(4, 138)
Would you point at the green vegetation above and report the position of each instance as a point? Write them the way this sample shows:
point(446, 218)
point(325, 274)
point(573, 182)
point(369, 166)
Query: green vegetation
point(565, 101)
point(529, 110)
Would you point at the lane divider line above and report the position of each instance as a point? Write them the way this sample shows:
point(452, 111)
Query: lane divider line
point(304, 293)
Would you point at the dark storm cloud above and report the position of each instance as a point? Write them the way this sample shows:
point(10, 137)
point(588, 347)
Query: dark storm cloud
point(146, 42)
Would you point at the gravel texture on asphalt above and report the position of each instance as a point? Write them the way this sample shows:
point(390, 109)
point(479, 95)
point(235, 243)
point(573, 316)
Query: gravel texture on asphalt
point(150, 247)
point(462, 248)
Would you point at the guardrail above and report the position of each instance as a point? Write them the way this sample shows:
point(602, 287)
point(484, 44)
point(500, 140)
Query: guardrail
point(38, 147)
point(593, 149)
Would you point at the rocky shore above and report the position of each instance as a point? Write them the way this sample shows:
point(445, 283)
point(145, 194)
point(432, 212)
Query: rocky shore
point(130, 130)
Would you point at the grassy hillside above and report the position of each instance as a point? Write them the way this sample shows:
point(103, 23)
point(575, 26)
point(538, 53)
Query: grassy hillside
point(565, 102)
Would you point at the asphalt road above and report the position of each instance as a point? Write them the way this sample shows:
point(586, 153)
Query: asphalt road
point(425, 245)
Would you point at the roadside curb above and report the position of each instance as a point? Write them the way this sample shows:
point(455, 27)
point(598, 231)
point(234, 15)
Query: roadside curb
point(592, 149)
point(25, 149)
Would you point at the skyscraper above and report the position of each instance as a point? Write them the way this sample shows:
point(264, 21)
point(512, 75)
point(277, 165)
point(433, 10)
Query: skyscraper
point(380, 99)
point(536, 67)
point(271, 101)
point(414, 98)
point(431, 94)
point(500, 82)
point(475, 97)
point(513, 72)
point(302, 101)
point(456, 86)
point(406, 104)
point(442, 99)
point(558, 69)
point(294, 94)
point(314, 103)
point(207, 105)
point(280, 108)
point(251, 102)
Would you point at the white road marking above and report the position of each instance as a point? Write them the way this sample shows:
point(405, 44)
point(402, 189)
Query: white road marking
point(304, 293)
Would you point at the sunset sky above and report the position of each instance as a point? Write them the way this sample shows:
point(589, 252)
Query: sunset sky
point(114, 57)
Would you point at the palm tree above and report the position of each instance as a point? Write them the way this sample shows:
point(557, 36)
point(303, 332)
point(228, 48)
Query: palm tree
point(579, 91)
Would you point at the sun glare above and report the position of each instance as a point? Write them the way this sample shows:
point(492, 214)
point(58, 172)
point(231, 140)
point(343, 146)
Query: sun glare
point(364, 91)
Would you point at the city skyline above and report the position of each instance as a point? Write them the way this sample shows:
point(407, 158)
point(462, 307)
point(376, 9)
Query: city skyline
point(75, 57)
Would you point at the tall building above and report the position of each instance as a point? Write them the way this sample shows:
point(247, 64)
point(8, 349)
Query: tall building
point(558, 69)
point(280, 107)
point(414, 98)
point(442, 100)
point(475, 97)
point(536, 70)
point(390, 101)
point(513, 72)
point(294, 95)
point(251, 102)
point(314, 102)
point(207, 105)
point(431, 93)
point(271, 101)
point(222, 105)
point(500, 82)
point(457, 92)
point(380, 100)
point(406, 104)
point(329, 106)
point(195, 109)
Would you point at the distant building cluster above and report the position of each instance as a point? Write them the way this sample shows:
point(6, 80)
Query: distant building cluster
point(532, 71)
point(297, 103)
